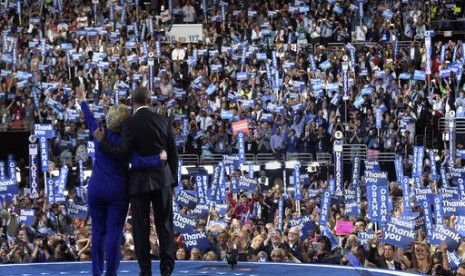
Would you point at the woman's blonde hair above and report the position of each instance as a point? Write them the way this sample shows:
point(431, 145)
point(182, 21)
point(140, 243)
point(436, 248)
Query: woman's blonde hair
point(116, 115)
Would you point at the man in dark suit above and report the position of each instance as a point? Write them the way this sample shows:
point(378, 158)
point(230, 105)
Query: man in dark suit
point(80, 79)
point(149, 133)
point(385, 260)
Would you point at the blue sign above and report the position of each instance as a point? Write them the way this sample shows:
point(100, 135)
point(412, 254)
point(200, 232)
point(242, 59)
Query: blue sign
point(44, 130)
point(325, 205)
point(445, 234)
point(297, 184)
point(33, 171)
point(398, 236)
point(196, 240)
point(305, 225)
point(187, 199)
point(78, 210)
point(241, 146)
point(241, 76)
point(356, 171)
point(183, 223)
point(338, 173)
point(26, 216)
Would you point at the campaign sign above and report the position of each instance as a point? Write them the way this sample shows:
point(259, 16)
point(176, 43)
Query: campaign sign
point(222, 183)
point(419, 75)
point(427, 218)
point(338, 173)
point(372, 165)
point(2, 170)
point(356, 171)
point(196, 240)
point(297, 183)
point(8, 186)
point(325, 207)
point(81, 194)
point(364, 237)
point(221, 209)
point(352, 208)
point(91, 150)
point(241, 146)
point(377, 202)
point(445, 234)
point(305, 225)
point(60, 185)
point(212, 191)
point(449, 193)
point(26, 216)
point(187, 199)
point(201, 193)
point(453, 207)
point(398, 236)
point(398, 165)
point(460, 225)
point(454, 259)
point(383, 196)
point(11, 168)
point(43, 149)
point(423, 194)
point(247, 184)
point(434, 170)
point(241, 76)
point(438, 211)
point(350, 195)
point(33, 171)
point(406, 222)
point(78, 210)
point(200, 210)
point(44, 130)
point(344, 228)
point(183, 223)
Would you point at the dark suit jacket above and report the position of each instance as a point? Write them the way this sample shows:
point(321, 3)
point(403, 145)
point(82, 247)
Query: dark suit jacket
point(378, 260)
point(76, 82)
point(147, 133)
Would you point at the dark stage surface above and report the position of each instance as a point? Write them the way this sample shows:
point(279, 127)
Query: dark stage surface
point(192, 268)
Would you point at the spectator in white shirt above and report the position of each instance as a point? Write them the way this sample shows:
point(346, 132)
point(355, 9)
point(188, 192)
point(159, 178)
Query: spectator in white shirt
point(460, 105)
point(178, 53)
point(360, 33)
point(189, 12)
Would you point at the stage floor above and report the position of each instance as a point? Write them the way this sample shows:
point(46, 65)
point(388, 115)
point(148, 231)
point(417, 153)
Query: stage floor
point(192, 268)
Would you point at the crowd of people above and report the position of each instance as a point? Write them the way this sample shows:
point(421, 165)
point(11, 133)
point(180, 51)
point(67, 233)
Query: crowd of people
point(277, 65)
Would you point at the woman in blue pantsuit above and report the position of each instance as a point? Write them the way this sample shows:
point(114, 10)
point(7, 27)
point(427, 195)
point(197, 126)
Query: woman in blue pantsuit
point(108, 190)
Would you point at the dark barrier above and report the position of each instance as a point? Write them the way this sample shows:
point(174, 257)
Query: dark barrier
point(16, 143)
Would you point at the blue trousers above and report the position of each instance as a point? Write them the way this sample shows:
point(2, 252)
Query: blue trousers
point(108, 220)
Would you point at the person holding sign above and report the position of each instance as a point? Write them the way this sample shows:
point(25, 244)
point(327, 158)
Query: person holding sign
point(108, 189)
point(148, 133)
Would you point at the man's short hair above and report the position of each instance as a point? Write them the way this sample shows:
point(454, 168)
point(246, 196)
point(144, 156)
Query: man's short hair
point(141, 95)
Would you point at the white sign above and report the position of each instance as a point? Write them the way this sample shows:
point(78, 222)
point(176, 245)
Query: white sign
point(183, 33)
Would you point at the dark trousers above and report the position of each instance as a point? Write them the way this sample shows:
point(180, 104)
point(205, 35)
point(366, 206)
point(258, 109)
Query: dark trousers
point(163, 210)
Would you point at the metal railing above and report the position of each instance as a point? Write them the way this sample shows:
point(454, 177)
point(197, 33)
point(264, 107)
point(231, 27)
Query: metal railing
point(302, 157)
point(386, 156)
point(459, 124)
point(456, 26)
point(324, 158)
point(352, 150)
point(190, 159)
point(262, 158)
